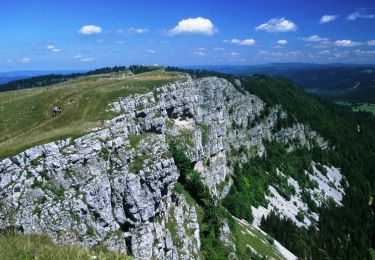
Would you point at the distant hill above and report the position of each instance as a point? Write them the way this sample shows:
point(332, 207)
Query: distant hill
point(354, 83)
point(32, 79)
point(9, 76)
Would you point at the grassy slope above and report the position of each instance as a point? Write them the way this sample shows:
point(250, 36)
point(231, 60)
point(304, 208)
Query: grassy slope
point(26, 119)
point(249, 238)
point(42, 247)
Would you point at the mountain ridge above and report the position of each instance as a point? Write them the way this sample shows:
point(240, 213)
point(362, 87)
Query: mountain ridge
point(220, 132)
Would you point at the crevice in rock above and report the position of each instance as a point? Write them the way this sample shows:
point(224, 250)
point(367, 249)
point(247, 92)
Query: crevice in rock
point(128, 243)
point(186, 114)
point(171, 114)
point(141, 115)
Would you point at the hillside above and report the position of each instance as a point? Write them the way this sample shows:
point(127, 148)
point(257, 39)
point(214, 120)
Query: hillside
point(26, 115)
point(202, 166)
point(354, 84)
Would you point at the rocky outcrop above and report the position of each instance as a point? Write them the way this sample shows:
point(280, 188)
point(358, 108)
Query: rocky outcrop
point(115, 186)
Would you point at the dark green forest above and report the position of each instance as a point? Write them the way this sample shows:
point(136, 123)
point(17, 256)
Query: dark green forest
point(342, 232)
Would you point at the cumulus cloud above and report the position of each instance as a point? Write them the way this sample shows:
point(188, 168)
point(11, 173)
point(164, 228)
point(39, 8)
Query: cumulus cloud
point(25, 60)
point(371, 43)
point(197, 25)
point(363, 53)
point(198, 53)
point(133, 30)
point(282, 42)
point(82, 58)
point(151, 51)
point(130, 31)
point(53, 48)
point(324, 52)
point(327, 18)
point(87, 59)
point(247, 42)
point(347, 43)
point(219, 49)
point(277, 25)
point(313, 38)
point(360, 15)
point(90, 29)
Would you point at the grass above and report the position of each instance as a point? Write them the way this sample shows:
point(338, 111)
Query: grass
point(26, 119)
point(372, 252)
point(247, 236)
point(41, 247)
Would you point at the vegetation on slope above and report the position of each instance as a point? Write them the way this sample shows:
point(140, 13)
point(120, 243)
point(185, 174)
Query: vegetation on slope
point(33, 246)
point(212, 247)
point(342, 232)
point(213, 214)
point(251, 181)
point(26, 118)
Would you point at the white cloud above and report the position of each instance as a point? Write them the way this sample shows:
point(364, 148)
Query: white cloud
point(90, 29)
point(25, 60)
point(201, 49)
point(324, 52)
point(82, 58)
point(277, 25)
point(120, 42)
point(247, 42)
point(272, 54)
point(133, 30)
point(219, 49)
point(371, 43)
point(360, 14)
point(9, 61)
point(198, 53)
point(87, 59)
point(282, 42)
point(130, 31)
point(328, 18)
point(53, 48)
point(347, 43)
point(197, 25)
point(364, 53)
point(313, 38)
point(341, 54)
point(151, 51)
point(234, 54)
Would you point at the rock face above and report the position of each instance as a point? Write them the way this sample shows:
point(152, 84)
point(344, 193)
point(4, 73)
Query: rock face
point(115, 186)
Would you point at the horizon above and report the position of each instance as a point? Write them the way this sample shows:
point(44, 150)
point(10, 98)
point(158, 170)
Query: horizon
point(93, 34)
point(68, 71)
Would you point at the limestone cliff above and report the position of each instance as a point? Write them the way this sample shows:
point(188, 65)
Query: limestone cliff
point(115, 185)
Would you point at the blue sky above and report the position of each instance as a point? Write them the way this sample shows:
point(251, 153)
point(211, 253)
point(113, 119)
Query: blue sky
point(55, 35)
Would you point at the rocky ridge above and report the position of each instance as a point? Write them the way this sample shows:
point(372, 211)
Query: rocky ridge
point(115, 186)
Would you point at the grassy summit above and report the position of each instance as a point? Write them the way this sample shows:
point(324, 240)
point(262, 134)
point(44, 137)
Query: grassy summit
point(26, 118)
